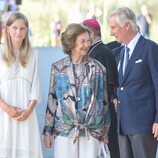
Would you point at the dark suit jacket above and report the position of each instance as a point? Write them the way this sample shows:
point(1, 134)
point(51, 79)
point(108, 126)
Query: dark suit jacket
point(112, 45)
point(116, 53)
point(138, 90)
point(101, 52)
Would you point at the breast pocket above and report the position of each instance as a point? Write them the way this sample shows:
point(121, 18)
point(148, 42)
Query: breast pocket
point(138, 70)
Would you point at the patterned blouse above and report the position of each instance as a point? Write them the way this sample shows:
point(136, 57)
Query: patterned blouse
point(77, 100)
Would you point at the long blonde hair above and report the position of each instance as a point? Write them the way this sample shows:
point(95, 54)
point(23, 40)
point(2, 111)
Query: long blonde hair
point(25, 49)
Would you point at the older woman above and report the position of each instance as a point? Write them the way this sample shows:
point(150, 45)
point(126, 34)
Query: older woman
point(77, 111)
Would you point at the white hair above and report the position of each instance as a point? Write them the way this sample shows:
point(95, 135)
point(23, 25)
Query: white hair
point(123, 15)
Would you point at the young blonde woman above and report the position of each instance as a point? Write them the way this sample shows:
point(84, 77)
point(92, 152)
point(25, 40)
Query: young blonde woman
point(19, 92)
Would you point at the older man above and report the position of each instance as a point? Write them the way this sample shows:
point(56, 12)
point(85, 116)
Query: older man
point(138, 87)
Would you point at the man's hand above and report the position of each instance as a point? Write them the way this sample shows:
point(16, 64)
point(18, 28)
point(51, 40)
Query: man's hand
point(116, 102)
point(155, 130)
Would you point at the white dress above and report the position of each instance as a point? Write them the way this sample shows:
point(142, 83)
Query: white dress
point(18, 85)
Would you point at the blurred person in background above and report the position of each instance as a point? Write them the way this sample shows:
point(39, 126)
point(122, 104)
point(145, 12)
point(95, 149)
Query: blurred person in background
point(144, 21)
point(77, 115)
point(3, 5)
point(19, 92)
point(58, 26)
point(137, 102)
point(6, 8)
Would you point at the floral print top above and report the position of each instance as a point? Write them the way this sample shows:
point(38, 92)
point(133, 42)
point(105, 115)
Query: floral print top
point(77, 100)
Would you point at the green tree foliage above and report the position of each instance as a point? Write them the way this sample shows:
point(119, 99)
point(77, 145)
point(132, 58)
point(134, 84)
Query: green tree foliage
point(41, 14)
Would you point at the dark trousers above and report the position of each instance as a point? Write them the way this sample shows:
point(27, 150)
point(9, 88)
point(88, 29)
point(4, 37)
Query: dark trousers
point(137, 146)
point(113, 135)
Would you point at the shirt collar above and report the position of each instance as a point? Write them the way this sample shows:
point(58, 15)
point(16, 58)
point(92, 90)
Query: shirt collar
point(99, 41)
point(133, 43)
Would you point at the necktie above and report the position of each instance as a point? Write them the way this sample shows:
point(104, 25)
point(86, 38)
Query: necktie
point(126, 59)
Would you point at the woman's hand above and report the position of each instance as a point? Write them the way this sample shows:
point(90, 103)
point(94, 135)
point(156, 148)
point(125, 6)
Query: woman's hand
point(105, 139)
point(48, 141)
point(13, 111)
point(24, 114)
point(105, 131)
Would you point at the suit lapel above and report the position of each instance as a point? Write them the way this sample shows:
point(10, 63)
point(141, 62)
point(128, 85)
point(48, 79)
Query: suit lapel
point(133, 58)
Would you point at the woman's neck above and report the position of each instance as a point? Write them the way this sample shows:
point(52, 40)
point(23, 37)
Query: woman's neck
point(77, 59)
point(16, 50)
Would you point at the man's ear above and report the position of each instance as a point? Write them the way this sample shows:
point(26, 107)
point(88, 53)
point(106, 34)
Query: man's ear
point(127, 25)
